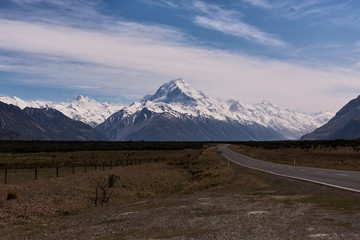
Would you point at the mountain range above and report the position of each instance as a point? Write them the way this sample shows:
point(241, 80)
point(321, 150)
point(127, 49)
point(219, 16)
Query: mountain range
point(42, 124)
point(177, 112)
point(80, 108)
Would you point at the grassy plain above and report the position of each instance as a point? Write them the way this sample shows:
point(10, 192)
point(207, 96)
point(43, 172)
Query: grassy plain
point(48, 196)
point(21, 166)
point(178, 194)
point(321, 156)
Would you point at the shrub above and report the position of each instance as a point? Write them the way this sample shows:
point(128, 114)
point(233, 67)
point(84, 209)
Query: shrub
point(103, 189)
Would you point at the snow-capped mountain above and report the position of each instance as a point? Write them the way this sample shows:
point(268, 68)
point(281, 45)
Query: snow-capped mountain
point(81, 108)
point(178, 112)
point(289, 123)
point(179, 98)
point(42, 124)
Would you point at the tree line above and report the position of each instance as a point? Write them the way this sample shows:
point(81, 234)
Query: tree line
point(73, 146)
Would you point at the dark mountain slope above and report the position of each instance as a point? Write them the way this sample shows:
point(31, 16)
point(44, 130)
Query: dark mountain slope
point(345, 124)
point(42, 124)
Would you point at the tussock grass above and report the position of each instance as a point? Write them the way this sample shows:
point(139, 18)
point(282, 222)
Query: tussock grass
point(180, 171)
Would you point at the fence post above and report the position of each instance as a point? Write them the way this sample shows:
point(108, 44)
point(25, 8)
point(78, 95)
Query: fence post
point(237, 176)
point(96, 165)
point(57, 172)
point(73, 169)
point(103, 166)
point(6, 176)
point(85, 168)
point(110, 164)
point(36, 173)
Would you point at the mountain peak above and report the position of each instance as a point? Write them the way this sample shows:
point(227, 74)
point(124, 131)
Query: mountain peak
point(266, 102)
point(236, 106)
point(176, 91)
point(81, 98)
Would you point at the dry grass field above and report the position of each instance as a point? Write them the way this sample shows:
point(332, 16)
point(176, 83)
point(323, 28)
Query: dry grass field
point(342, 158)
point(187, 194)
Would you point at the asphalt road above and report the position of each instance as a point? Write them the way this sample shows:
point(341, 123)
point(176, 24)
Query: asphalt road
point(348, 180)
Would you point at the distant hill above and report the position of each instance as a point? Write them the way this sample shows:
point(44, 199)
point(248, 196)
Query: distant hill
point(42, 124)
point(345, 124)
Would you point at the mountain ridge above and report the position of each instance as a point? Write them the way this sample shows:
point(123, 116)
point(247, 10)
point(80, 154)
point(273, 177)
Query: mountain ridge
point(344, 125)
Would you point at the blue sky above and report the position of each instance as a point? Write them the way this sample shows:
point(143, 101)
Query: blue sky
point(300, 54)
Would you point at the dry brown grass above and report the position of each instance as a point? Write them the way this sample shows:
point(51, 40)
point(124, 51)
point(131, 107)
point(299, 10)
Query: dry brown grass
point(152, 201)
point(343, 158)
point(41, 199)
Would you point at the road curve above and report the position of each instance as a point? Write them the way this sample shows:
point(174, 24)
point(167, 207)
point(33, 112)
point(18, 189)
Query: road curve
point(347, 180)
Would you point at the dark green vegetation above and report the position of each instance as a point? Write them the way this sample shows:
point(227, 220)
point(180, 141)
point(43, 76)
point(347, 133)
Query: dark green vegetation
point(72, 146)
point(303, 145)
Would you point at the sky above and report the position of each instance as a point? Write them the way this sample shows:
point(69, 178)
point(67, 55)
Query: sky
point(300, 54)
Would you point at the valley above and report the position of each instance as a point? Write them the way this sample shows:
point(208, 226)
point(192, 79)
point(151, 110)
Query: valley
point(189, 193)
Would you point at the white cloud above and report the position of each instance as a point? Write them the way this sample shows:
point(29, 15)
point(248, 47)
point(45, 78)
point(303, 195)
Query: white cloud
point(259, 3)
point(161, 3)
point(240, 29)
point(228, 22)
point(128, 61)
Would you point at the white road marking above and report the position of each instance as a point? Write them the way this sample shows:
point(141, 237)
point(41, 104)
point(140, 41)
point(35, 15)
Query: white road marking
point(289, 176)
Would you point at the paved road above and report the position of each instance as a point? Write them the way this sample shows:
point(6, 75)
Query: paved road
point(348, 180)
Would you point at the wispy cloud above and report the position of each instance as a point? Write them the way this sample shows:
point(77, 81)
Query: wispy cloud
point(229, 22)
point(298, 9)
point(161, 3)
point(259, 3)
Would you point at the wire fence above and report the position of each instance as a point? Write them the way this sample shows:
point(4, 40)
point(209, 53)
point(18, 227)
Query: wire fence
point(16, 174)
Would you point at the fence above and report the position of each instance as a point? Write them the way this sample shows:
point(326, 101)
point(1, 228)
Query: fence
point(16, 174)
